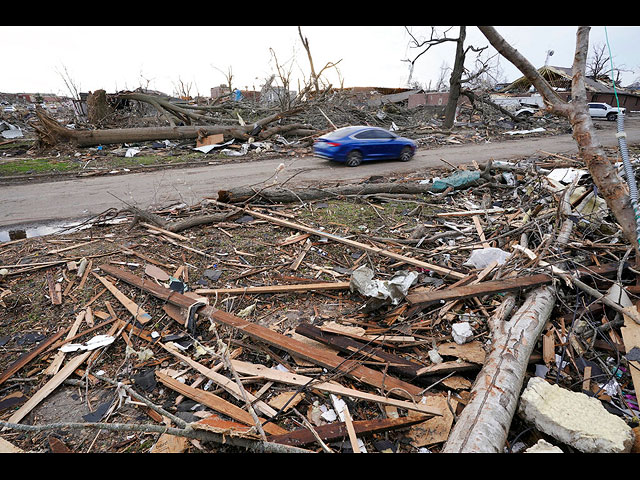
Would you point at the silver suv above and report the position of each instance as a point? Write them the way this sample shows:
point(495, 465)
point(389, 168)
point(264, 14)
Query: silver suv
point(604, 110)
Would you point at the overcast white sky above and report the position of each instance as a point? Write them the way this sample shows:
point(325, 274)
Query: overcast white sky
point(126, 57)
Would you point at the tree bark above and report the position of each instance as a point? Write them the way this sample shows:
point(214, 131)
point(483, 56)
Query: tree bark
point(454, 82)
point(280, 194)
point(604, 175)
point(51, 132)
point(484, 423)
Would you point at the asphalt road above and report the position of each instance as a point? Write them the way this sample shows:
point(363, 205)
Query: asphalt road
point(38, 203)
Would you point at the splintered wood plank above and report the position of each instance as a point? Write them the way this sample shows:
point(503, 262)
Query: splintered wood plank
point(55, 291)
point(349, 345)
point(55, 381)
point(294, 347)
point(134, 309)
point(338, 430)
point(29, 356)
point(482, 288)
point(56, 363)
point(8, 447)
point(216, 403)
point(305, 287)
point(330, 387)
point(49, 387)
point(226, 383)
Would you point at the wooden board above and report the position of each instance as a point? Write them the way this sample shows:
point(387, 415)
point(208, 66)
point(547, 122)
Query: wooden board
point(305, 287)
point(338, 430)
point(216, 403)
point(134, 309)
point(294, 347)
point(29, 356)
point(482, 288)
point(350, 345)
point(329, 387)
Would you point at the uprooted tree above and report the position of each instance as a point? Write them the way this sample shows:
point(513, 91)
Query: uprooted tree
point(50, 132)
point(485, 420)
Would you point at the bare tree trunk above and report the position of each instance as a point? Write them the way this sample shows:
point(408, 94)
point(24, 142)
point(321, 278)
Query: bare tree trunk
point(484, 423)
point(590, 150)
point(51, 132)
point(456, 76)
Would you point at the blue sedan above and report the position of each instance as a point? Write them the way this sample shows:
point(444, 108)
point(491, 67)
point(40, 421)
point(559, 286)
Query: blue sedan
point(353, 145)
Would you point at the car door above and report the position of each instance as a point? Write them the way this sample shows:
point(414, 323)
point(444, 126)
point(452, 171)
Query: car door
point(597, 110)
point(368, 144)
point(386, 145)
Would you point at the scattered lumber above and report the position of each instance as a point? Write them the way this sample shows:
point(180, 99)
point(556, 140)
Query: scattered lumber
point(482, 288)
point(335, 431)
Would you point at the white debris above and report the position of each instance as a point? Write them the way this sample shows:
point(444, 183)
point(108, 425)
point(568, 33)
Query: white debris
point(96, 342)
point(543, 447)
point(393, 290)
point(483, 257)
point(461, 332)
point(434, 356)
point(524, 132)
point(566, 175)
point(574, 418)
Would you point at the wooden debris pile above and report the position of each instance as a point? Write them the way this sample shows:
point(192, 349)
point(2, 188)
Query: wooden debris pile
point(354, 320)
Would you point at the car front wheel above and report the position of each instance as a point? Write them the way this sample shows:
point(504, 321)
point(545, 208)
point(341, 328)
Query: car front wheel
point(354, 159)
point(406, 154)
point(611, 117)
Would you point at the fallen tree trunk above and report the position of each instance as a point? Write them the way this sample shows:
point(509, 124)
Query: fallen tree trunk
point(179, 225)
point(279, 194)
point(51, 133)
point(485, 421)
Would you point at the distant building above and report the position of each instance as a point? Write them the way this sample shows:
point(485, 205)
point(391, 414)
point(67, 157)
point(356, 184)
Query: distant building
point(597, 91)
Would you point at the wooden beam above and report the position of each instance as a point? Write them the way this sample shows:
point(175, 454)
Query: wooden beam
point(215, 403)
point(294, 347)
point(138, 313)
point(330, 387)
point(305, 287)
point(338, 430)
point(478, 289)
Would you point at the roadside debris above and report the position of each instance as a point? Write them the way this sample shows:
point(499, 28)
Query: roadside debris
point(383, 316)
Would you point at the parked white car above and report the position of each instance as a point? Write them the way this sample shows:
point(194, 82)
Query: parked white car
point(604, 110)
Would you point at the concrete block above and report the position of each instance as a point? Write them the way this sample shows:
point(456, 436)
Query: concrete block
point(574, 418)
point(543, 447)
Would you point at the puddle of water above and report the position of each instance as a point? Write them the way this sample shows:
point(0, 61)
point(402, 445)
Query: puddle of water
point(16, 232)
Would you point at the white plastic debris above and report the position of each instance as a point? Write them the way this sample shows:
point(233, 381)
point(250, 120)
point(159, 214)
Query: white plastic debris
point(392, 290)
point(566, 175)
point(329, 416)
point(132, 152)
point(524, 132)
point(10, 131)
point(96, 342)
point(484, 257)
point(461, 332)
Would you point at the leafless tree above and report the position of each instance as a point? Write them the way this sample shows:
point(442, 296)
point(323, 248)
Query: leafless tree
point(456, 78)
point(599, 66)
point(182, 89)
point(315, 79)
